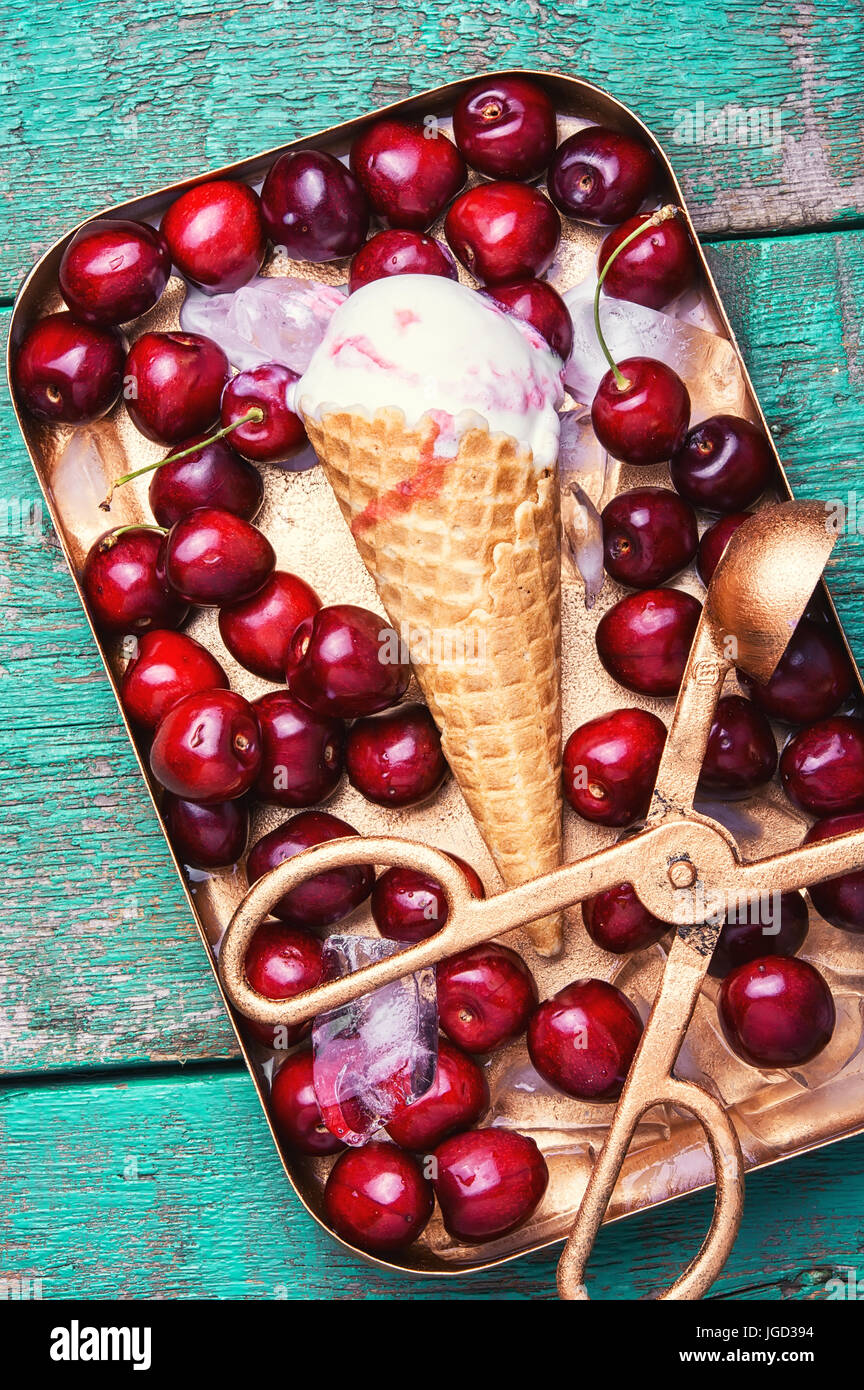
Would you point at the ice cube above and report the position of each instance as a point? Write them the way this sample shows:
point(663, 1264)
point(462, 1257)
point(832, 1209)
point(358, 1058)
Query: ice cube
point(586, 472)
point(379, 1053)
point(272, 319)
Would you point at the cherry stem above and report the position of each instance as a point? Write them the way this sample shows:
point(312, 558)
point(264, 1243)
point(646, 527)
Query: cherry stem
point(254, 415)
point(655, 220)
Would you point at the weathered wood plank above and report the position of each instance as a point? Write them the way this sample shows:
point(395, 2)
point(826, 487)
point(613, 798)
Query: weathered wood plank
point(142, 101)
point(154, 1187)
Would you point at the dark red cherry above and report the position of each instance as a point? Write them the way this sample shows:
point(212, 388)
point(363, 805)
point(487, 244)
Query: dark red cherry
point(741, 753)
point(377, 1198)
point(584, 1038)
point(813, 677)
point(840, 900)
point(313, 207)
point(68, 372)
point(206, 837)
point(776, 1012)
point(212, 476)
point(610, 766)
point(724, 464)
point(215, 557)
point(215, 235)
point(395, 758)
point(714, 541)
point(346, 661)
point(295, 1111)
point(408, 172)
point(488, 1181)
point(281, 433)
point(539, 304)
point(655, 268)
point(457, 1099)
point(399, 252)
point(646, 421)
point(113, 270)
point(486, 996)
point(644, 640)
point(774, 925)
point(649, 536)
point(325, 897)
point(173, 384)
point(257, 631)
point(600, 175)
point(301, 752)
point(166, 666)
point(616, 920)
point(207, 747)
point(408, 905)
point(506, 127)
point(503, 231)
point(125, 589)
point(281, 962)
point(822, 766)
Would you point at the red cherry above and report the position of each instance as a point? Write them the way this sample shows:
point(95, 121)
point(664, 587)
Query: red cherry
point(324, 898)
point(535, 302)
point(488, 1182)
point(776, 928)
point(282, 962)
point(395, 758)
point(215, 557)
point(776, 1012)
point(457, 1099)
point(741, 753)
point(166, 667)
point(839, 900)
point(616, 920)
point(301, 752)
point(714, 541)
point(503, 231)
point(377, 1198)
point(506, 127)
point(313, 207)
point(485, 996)
point(408, 905)
point(257, 631)
point(208, 747)
point(346, 661)
point(280, 434)
point(215, 235)
point(212, 476)
point(610, 766)
point(399, 252)
point(725, 464)
point(125, 589)
point(409, 173)
point(206, 837)
point(813, 677)
point(68, 372)
point(173, 384)
point(656, 266)
point(649, 536)
point(600, 175)
point(113, 270)
point(584, 1038)
point(822, 766)
point(646, 421)
point(644, 640)
point(295, 1111)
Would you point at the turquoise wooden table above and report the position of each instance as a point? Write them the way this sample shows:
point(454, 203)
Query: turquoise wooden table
point(133, 1156)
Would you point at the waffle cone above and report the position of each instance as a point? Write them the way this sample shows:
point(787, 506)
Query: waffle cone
point(465, 556)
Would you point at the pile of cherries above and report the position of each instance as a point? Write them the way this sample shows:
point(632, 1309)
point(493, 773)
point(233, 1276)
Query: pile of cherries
point(339, 704)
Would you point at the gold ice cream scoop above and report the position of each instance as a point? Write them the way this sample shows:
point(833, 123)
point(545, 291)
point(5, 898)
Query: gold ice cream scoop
point(679, 861)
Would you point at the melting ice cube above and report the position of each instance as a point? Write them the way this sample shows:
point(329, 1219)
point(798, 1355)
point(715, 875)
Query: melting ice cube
point(272, 319)
point(378, 1053)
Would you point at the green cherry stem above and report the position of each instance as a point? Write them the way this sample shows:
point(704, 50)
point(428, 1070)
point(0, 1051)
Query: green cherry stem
point(655, 220)
point(254, 415)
